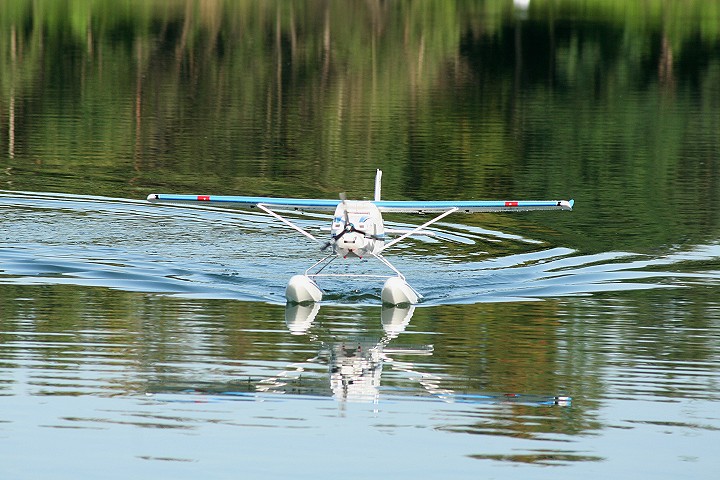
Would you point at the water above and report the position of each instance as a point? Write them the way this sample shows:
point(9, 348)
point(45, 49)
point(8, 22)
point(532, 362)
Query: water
point(154, 340)
point(125, 325)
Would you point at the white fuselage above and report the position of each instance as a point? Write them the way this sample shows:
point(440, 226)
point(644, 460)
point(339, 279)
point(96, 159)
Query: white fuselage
point(357, 229)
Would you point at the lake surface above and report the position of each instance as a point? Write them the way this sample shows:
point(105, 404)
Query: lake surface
point(141, 340)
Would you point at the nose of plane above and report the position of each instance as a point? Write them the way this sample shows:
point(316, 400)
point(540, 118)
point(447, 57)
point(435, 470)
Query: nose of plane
point(351, 241)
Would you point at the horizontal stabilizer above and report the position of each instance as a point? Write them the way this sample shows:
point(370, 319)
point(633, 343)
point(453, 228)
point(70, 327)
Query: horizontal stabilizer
point(426, 233)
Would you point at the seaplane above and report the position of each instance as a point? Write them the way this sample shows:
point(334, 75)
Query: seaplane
point(357, 231)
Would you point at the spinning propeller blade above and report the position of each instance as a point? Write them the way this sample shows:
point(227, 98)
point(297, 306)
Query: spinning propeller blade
point(347, 227)
point(343, 197)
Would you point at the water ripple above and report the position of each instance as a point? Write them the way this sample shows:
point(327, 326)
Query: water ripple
point(210, 252)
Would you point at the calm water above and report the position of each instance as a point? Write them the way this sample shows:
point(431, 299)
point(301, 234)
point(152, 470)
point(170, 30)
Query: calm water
point(154, 341)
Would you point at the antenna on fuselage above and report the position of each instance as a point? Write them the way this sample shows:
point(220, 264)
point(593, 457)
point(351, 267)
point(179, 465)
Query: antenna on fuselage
point(378, 181)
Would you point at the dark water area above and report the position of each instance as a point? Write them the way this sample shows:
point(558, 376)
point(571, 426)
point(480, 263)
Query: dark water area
point(548, 344)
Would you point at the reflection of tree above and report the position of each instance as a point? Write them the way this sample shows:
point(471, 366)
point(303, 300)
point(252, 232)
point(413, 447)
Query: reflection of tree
point(665, 65)
point(11, 110)
point(291, 97)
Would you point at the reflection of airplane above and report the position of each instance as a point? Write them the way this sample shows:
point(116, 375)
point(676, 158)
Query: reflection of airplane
point(355, 365)
point(357, 231)
point(299, 318)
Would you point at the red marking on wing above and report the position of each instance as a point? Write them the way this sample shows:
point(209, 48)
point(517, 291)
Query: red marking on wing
point(203, 198)
point(511, 204)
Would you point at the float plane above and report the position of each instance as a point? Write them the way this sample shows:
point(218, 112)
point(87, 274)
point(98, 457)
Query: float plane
point(357, 231)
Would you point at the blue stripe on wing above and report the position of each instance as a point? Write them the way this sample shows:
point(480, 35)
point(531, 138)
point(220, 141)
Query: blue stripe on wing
point(387, 206)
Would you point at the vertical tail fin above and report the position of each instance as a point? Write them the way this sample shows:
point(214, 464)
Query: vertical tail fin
point(378, 181)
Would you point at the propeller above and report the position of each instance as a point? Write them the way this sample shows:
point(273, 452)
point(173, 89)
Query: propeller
point(349, 227)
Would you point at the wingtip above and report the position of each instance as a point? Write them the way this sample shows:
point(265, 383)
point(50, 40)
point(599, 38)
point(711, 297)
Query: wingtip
point(153, 197)
point(567, 204)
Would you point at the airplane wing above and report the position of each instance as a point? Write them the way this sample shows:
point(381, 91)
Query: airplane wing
point(472, 206)
point(299, 204)
point(385, 206)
